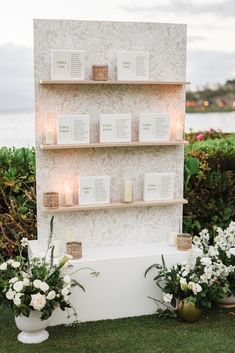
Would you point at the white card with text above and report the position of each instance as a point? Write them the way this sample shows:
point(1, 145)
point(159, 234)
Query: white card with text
point(159, 186)
point(154, 127)
point(115, 128)
point(94, 190)
point(73, 129)
point(132, 66)
point(68, 65)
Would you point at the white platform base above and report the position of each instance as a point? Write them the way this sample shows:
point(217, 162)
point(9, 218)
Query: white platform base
point(33, 338)
point(121, 290)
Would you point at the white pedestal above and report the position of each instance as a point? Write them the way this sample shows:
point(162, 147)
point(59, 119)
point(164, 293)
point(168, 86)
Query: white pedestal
point(121, 290)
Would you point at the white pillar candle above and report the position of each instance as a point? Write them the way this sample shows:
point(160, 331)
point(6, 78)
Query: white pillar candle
point(128, 191)
point(172, 239)
point(49, 137)
point(57, 248)
point(179, 131)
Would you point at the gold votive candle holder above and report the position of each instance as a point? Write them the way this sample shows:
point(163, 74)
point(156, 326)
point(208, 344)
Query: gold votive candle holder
point(74, 249)
point(184, 241)
point(99, 72)
point(50, 200)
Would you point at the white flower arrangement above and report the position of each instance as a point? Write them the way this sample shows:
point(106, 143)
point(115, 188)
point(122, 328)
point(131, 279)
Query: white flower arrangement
point(36, 283)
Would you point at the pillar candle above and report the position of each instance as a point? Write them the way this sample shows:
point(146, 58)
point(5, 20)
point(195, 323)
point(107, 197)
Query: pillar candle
point(68, 196)
point(128, 191)
point(172, 239)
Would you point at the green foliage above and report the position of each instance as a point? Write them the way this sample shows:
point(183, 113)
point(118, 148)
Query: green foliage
point(210, 190)
point(17, 197)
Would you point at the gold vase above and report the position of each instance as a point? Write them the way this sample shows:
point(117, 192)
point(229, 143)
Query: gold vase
point(189, 312)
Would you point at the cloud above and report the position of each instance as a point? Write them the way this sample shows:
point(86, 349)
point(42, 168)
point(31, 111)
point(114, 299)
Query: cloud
point(209, 67)
point(224, 8)
point(16, 84)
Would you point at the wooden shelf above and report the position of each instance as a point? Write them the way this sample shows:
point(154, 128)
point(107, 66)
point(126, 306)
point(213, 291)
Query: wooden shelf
point(114, 144)
point(90, 82)
point(112, 205)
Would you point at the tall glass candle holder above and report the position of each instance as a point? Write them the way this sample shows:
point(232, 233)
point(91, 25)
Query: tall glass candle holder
point(68, 191)
point(127, 190)
point(49, 128)
point(179, 130)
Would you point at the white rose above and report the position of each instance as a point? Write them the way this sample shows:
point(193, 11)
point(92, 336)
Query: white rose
point(67, 279)
point(167, 297)
point(26, 281)
point(10, 261)
point(13, 280)
point(15, 264)
point(37, 283)
point(3, 266)
point(38, 301)
point(232, 251)
point(10, 294)
point(44, 286)
point(51, 295)
point(24, 242)
point(18, 286)
point(196, 288)
point(17, 300)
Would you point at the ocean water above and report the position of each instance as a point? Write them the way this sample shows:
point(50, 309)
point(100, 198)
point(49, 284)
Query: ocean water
point(18, 129)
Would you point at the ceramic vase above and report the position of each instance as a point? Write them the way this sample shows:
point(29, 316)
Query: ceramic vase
point(33, 329)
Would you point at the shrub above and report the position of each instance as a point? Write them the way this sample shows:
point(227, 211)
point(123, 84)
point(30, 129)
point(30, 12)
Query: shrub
point(211, 189)
point(17, 197)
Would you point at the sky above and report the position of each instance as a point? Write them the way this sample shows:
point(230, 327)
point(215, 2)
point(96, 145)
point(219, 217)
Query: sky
point(211, 37)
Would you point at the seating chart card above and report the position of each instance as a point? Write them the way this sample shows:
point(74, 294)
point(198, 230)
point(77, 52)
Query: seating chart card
point(68, 65)
point(159, 186)
point(73, 129)
point(133, 66)
point(94, 190)
point(154, 127)
point(115, 128)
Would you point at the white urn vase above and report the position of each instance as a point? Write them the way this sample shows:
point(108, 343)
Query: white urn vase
point(32, 328)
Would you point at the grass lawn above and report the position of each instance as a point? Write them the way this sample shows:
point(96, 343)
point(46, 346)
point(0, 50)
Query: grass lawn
point(146, 334)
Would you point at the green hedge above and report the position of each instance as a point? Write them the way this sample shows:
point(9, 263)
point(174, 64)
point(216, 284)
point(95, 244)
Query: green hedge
point(17, 197)
point(211, 189)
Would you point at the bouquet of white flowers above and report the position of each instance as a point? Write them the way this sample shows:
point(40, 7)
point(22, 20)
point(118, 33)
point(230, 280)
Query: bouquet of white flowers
point(36, 283)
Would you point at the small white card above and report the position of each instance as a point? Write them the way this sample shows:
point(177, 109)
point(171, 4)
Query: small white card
point(72, 129)
point(132, 66)
point(94, 190)
point(115, 128)
point(68, 64)
point(159, 186)
point(154, 127)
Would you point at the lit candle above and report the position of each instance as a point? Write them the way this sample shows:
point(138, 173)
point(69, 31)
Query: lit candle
point(179, 131)
point(68, 196)
point(172, 239)
point(57, 248)
point(128, 191)
point(49, 137)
